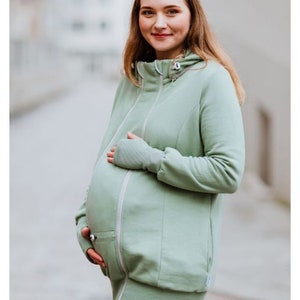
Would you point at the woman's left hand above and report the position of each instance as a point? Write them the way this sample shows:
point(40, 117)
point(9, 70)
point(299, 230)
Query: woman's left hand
point(110, 155)
point(134, 153)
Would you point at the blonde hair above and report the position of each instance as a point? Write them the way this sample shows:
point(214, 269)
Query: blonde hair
point(200, 40)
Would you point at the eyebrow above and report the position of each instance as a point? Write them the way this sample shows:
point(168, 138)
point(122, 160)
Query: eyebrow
point(166, 7)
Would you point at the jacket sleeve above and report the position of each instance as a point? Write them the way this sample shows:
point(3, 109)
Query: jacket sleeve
point(80, 220)
point(221, 168)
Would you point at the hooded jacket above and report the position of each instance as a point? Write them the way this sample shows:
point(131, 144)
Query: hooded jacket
point(159, 225)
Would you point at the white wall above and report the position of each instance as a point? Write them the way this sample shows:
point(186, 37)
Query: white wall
point(256, 35)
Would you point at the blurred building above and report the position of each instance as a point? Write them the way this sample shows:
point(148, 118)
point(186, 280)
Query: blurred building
point(53, 42)
point(93, 32)
point(30, 45)
point(257, 36)
point(35, 56)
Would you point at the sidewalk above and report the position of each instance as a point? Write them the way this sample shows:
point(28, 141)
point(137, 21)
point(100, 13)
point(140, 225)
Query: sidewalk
point(254, 259)
point(30, 89)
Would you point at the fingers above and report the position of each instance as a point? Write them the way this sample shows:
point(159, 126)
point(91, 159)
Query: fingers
point(85, 232)
point(110, 155)
point(131, 136)
point(96, 257)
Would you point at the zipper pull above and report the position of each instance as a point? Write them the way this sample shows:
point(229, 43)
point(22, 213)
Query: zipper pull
point(176, 66)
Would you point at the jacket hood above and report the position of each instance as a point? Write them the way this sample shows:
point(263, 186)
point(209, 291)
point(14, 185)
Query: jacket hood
point(168, 69)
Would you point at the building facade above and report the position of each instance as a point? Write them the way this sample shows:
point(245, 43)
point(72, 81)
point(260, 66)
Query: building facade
point(256, 34)
point(93, 32)
point(70, 38)
point(35, 55)
point(33, 28)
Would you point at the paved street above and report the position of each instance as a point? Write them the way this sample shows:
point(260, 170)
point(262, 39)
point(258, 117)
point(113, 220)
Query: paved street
point(52, 152)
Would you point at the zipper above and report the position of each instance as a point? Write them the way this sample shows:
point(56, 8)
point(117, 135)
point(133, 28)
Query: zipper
point(120, 126)
point(123, 192)
point(155, 102)
point(210, 243)
point(118, 230)
point(121, 200)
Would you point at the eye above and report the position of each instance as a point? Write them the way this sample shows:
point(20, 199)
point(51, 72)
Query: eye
point(147, 13)
point(172, 12)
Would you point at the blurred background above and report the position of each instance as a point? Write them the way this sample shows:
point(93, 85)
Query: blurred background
point(65, 62)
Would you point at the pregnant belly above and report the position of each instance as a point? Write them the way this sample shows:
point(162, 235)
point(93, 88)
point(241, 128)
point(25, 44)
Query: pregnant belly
point(103, 195)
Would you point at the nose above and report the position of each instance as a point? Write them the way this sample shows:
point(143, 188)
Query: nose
point(160, 22)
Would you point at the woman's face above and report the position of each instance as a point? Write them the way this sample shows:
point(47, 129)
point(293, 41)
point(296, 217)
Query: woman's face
point(165, 24)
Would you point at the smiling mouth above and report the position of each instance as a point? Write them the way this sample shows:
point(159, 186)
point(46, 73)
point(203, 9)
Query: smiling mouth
point(160, 35)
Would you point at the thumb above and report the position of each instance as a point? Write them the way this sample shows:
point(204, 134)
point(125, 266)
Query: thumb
point(85, 232)
point(131, 136)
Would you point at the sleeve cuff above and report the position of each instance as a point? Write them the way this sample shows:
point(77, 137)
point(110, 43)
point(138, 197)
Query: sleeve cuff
point(83, 242)
point(155, 160)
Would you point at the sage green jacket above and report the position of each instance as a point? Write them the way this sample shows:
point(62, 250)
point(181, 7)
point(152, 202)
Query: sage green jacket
point(159, 226)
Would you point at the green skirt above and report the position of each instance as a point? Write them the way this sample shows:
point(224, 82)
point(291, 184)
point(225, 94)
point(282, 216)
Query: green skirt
point(129, 289)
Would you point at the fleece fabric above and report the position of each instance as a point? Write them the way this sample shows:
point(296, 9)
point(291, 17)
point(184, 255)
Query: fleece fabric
point(159, 227)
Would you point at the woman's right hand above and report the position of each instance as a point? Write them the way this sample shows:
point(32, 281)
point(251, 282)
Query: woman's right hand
point(93, 255)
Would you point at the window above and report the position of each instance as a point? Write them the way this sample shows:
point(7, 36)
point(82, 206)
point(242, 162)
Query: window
point(77, 2)
point(78, 26)
point(265, 146)
point(103, 25)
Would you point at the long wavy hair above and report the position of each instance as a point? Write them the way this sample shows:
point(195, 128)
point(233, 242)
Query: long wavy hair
point(200, 40)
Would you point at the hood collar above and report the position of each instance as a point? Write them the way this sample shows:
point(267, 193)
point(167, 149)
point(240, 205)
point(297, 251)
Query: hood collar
point(169, 69)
